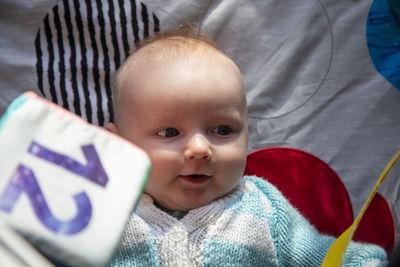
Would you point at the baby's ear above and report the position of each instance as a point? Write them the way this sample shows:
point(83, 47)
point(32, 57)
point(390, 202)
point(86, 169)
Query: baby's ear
point(112, 128)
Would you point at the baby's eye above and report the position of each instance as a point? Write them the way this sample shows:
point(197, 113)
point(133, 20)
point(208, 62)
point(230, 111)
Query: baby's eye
point(222, 130)
point(168, 132)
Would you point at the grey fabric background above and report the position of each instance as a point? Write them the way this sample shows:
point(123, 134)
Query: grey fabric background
point(310, 80)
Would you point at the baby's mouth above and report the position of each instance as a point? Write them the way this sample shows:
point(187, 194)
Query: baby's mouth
point(197, 175)
point(196, 178)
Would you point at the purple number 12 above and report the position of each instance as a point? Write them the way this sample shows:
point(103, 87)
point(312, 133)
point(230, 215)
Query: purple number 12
point(24, 180)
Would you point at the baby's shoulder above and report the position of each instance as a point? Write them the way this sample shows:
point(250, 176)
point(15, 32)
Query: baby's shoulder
point(277, 208)
point(257, 197)
point(263, 187)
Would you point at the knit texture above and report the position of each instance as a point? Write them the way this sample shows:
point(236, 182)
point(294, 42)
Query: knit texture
point(252, 226)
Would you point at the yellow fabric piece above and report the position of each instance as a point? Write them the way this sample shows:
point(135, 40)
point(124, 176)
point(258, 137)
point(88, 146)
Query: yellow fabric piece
point(335, 254)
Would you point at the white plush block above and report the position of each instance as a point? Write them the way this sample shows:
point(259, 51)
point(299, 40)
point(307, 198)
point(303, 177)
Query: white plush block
point(66, 185)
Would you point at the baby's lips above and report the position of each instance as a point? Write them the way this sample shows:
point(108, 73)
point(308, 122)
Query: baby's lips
point(196, 178)
point(195, 175)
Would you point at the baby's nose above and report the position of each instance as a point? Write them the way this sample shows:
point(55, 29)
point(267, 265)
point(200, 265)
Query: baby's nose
point(198, 147)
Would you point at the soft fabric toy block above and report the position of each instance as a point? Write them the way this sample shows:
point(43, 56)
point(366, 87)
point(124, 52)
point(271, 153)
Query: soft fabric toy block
point(67, 186)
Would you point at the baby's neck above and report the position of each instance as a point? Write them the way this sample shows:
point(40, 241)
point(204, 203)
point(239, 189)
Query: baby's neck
point(178, 214)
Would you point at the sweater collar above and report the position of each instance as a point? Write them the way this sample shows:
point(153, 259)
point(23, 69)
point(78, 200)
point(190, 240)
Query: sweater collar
point(147, 210)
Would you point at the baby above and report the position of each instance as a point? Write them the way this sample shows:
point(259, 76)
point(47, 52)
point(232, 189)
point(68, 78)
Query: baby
point(183, 101)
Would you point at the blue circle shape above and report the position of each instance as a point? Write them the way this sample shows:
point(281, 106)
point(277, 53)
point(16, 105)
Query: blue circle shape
point(383, 38)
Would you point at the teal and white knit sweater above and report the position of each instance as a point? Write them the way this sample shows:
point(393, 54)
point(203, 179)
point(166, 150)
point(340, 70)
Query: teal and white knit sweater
point(252, 226)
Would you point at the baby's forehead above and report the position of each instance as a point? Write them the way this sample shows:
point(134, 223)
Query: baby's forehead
point(164, 51)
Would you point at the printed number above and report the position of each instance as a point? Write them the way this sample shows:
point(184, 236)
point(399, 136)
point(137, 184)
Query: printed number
point(24, 181)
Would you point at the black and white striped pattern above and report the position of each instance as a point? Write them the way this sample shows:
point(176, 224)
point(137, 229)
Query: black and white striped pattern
point(78, 47)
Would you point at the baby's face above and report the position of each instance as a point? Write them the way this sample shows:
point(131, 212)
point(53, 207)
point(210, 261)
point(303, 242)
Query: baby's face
point(192, 122)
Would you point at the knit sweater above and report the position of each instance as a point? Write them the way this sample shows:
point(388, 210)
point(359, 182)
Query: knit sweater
point(254, 225)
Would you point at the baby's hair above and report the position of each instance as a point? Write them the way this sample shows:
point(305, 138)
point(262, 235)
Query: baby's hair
point(185, 31)
point(186, 42)
point(184, 37)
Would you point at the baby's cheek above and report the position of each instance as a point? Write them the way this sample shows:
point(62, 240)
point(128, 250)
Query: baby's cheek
point(234, 160)
point(232, 167)
point(164, 162)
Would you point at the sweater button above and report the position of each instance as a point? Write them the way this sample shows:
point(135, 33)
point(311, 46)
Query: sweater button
point(177, 236)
